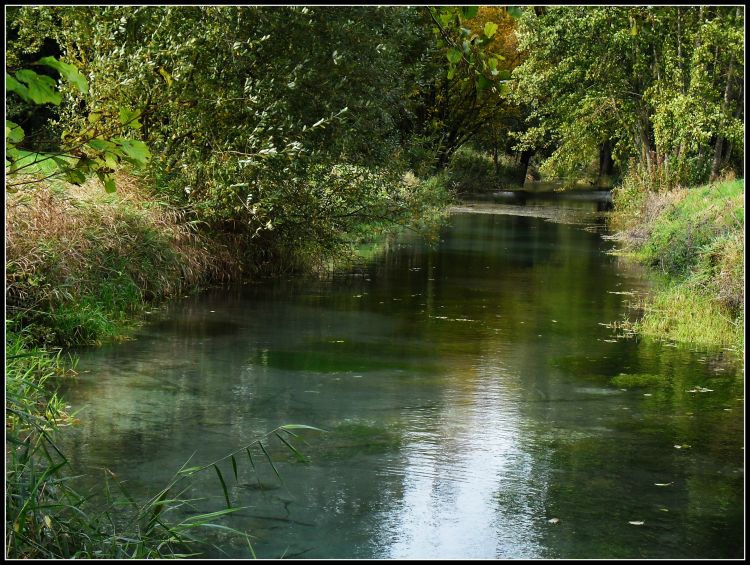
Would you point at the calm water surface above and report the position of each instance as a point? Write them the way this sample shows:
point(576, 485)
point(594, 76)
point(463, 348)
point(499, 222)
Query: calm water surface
point(476, 406)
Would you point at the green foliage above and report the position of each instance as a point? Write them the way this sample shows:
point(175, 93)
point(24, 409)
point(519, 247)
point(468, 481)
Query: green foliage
point(39, 89)
point(662, 84)
point(290, 144)
point(67, 71)
point(104, 155)
point(464, 45)
point(472, 171)
point(13, 132)
point(469, 99)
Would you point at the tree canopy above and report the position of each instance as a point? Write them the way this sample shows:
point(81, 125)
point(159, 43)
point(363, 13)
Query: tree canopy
point(663, 85)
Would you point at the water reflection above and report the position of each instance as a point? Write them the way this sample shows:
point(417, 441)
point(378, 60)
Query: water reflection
point(470, 480)
point(476, 406)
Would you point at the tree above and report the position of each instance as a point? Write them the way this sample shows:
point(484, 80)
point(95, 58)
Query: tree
point(660, 85)
point(105, 153)
point(467, 55)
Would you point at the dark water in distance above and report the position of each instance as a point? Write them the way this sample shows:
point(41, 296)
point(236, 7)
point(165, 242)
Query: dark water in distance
point(476, 406)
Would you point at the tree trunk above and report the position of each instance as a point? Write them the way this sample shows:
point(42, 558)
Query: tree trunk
point(605, 164)
point(494, 151)
point(525, 159)
point(716, 165)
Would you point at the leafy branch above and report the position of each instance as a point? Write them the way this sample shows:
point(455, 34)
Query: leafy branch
point(102, 155)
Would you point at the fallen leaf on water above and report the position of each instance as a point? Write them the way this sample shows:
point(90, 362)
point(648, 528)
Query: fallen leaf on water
point(701, 389)
point(637, 523)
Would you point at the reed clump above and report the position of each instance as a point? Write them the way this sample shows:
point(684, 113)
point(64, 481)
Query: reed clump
point(80, 262)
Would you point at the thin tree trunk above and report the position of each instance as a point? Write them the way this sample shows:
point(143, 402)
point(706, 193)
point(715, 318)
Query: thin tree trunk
point(494, 152)
point(716, 165)
point(605, 164)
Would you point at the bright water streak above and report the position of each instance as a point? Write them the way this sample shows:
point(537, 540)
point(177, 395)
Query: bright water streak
point(467, 389)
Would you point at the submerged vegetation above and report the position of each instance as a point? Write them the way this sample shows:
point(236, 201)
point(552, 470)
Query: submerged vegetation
point(151, 151)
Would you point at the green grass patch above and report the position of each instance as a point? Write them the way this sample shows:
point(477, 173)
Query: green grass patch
point(688, 227)
point(681, 313)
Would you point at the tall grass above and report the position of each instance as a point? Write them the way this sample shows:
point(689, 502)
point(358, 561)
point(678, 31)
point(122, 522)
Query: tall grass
point(80, 262)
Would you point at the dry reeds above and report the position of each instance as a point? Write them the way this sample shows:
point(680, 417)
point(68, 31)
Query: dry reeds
point(75, 249)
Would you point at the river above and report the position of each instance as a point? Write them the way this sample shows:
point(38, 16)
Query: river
point(475, 399)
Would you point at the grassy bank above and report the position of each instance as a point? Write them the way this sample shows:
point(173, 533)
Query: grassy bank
point(694, 238)
point(474, 172)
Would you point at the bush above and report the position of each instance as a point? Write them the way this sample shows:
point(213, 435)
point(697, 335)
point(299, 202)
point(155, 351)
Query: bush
point(473, 171)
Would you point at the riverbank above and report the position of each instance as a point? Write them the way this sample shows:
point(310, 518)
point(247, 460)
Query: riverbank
point(82, 264)
point(694, 239)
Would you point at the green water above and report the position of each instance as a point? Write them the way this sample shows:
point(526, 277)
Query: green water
point(476, 406)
